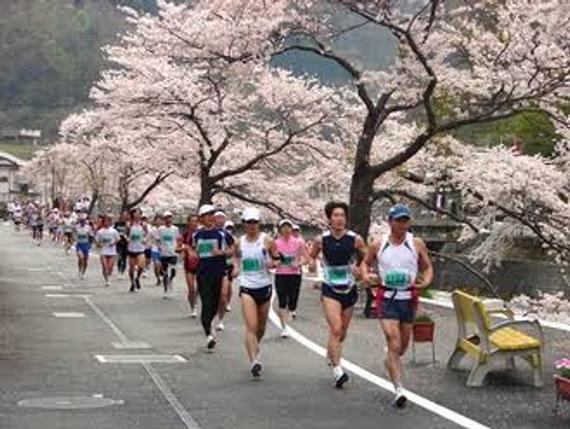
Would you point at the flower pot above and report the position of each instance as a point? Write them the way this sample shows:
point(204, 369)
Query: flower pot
point(562, 386)
point(423, 332)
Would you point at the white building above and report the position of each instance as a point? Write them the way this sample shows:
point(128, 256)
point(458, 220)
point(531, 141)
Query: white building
point(10, 179)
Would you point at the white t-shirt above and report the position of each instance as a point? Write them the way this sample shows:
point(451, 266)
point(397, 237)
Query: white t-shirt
point(107, 238)
point(137, 238)
point(82, 233)
point(166, 239)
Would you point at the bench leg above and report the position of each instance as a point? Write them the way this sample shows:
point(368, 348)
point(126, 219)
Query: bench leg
point(478, 374)
point(537, 372)
point(455, 359)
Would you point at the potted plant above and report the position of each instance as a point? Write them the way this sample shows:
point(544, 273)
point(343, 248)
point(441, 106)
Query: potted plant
point(562, 381)
point(423, 329)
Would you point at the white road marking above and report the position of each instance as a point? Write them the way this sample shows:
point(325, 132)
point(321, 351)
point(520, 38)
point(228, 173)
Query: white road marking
point(52, 288)
point(69, 315)
point(173, 400)
point(140, 358)
point(425, 403)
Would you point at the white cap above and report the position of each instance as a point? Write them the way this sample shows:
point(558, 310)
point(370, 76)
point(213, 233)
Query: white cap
point(220, 213)
point(296, 227)
point(167, 213)
point(228, 224)
point(251, 214)
point(285, 222)
point(206, 209)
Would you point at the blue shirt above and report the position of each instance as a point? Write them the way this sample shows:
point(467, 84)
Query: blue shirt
point(205, 242)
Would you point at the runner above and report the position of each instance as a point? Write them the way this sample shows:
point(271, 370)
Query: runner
point(67, 228)
point(17, 216)
point(136, 235)
point(404, 267)
point(191, 261)
point(342, 251)
point(229, 228)
point(122, 252)
point(154, 250)
point(255, 255)
point(212, 246)
point(168, 239)
point(288, 274)
point(83, 234)
point(38, 225)
point(220, 220)
point(147, 244)
point(107, 238)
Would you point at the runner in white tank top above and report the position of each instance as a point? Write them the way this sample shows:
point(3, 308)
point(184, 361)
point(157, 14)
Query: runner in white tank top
point(256, 254)
point(400, 258)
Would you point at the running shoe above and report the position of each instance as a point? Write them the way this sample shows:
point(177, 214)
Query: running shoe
point(256, 371)
point(400, 400)
point(340, 380)
point(285, 332)
point(193, 313)
point(138, 283)
point(211, 343)
point(220, 327)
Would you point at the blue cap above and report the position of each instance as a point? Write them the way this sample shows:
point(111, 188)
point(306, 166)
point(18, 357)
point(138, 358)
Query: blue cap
point(399, 211)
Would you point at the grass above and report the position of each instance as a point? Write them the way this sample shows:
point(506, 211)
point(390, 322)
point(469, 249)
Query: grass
point(20, 150)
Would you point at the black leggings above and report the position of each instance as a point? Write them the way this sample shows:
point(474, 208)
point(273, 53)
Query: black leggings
point(288, 287)
point(210, 290)
point(122, 260)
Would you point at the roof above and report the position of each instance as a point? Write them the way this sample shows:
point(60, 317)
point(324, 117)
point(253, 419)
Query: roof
point(8, 159)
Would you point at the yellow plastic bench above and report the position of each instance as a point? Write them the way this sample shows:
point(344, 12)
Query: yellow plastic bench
point(489, 343)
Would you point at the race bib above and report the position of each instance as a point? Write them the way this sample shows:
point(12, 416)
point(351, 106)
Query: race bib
point(205, 248)
point(287, 260)
point(136, 236)
point(251, 265)
point(81, 237)
point(397, 279)
point(106, 240)
point(338, 275)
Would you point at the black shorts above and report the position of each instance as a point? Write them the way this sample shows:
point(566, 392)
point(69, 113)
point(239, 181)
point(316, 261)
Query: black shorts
point(148, 253)
point(400, 310)
point(68, 234)
point(287, 287)
point(346, 300)
point(134, 254)
point(165, 261)
point(260, 296)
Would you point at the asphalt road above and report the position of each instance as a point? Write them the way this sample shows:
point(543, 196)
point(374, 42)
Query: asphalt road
point(65, 364)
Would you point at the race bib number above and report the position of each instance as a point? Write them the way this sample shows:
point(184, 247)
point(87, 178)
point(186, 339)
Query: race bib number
point(168, 238)
point(81, 237)
point(397, 279)
point(106, 240)
point(251, 265)
point(338, 276)
point(136, 236)
point(287, 260)
point(205, 248)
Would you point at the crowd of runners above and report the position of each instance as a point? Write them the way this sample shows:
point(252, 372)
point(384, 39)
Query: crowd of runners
point(213, 256)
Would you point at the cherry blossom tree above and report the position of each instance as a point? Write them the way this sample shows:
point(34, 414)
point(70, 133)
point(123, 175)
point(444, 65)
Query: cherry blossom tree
point(455, 66)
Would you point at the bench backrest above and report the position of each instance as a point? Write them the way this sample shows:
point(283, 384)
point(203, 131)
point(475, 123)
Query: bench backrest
point(469, 310)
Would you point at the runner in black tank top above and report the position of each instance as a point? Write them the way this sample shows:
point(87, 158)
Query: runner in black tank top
point(341, 250)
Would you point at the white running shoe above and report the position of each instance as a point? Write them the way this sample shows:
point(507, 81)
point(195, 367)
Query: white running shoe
point(228, 308)
point(400, 399)
point(220, 327)
point(211, 343)
point(285, 332)
point(193, 313)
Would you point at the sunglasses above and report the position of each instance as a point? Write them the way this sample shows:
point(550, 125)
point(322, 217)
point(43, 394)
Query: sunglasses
point(251, 222)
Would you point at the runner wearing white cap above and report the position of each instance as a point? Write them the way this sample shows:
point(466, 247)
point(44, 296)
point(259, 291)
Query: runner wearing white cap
point(169, 240)
point(212, 247)
point(255, 255)
point(106, 239)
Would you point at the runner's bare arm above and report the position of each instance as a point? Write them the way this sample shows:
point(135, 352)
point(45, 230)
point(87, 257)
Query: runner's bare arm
point(425, 265)
point(362, 270)
point(371, 258)
point(236, 260)
point(273, 253)
point(314, 251)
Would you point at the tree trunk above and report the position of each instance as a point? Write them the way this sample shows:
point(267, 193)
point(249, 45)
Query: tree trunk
point(94, 199)
point(361, 188)
point(206, 189)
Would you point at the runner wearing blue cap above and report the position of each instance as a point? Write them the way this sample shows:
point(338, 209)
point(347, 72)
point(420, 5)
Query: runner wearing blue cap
point(404, 267)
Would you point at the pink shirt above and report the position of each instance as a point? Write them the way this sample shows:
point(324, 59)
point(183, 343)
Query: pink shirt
point(292, 250)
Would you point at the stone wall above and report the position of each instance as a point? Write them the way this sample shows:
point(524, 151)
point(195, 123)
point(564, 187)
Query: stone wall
point(514, 277)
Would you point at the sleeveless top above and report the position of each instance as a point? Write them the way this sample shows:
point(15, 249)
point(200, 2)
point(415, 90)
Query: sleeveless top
point(253, 270)
point(398, 267)
point(338, 256)
point(137, 236)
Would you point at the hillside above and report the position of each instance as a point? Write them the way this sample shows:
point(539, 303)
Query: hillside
point(51, 55)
